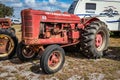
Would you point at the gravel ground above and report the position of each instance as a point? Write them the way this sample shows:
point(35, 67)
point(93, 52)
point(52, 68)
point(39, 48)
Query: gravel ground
point(75, 68)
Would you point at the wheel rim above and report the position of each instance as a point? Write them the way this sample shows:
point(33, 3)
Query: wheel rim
point(100, 40)
point(27, 52)
point(6, 45)
point(54, 60)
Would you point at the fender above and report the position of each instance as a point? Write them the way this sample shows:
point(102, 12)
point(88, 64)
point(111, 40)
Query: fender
point(87, 21)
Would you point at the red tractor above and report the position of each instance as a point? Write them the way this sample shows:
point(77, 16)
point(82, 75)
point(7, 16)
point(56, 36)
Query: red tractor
point(8, 39)
point(49, 32)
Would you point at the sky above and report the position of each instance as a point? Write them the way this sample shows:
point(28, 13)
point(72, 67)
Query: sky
point(49, 5)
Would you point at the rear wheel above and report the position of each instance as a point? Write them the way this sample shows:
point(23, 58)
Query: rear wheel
point(52, 59)
point(25, 53)
point(8, 44)
point(95, 39)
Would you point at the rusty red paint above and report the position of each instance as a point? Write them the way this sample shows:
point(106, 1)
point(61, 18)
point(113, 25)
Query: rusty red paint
point(54, 59)
point(99, 40)
point(3, 45)
point(5, 23)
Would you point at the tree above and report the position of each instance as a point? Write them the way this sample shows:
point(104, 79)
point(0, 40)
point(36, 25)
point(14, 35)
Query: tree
point(5, 10)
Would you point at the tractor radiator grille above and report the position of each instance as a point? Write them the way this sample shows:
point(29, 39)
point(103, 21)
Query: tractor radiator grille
point(28, 29)
point(28, 17)
point(27, 25)
point(28, 35)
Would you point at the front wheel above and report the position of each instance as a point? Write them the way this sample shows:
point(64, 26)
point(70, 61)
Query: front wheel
point(52, 59)
point(25, 53)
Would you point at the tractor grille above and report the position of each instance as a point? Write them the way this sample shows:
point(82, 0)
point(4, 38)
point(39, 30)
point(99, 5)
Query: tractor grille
point(27, 24)
point(28, 29)
point(28, 35)
point(28, 17)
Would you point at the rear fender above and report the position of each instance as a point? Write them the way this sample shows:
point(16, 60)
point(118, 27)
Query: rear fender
point(87, 21)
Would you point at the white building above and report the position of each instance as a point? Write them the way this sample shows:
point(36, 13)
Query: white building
point(106, 10)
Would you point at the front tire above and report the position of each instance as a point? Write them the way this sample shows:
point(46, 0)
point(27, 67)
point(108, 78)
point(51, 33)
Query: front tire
point(25, 53)
point(95, 39)
point(52, 59)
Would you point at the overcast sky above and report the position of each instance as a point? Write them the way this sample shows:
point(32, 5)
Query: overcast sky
point(49, 5)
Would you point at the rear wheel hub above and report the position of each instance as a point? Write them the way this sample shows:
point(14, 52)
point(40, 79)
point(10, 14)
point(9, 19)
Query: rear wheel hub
point(6, 45)
point(99, 40)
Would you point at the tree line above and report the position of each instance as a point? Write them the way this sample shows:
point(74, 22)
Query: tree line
point(5, 10)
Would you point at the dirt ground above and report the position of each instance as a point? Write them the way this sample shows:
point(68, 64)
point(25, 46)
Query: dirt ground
point(76, 67)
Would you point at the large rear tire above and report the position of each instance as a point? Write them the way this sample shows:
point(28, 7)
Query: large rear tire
point(53, 59)
point(95, 39)
point(8, 44)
